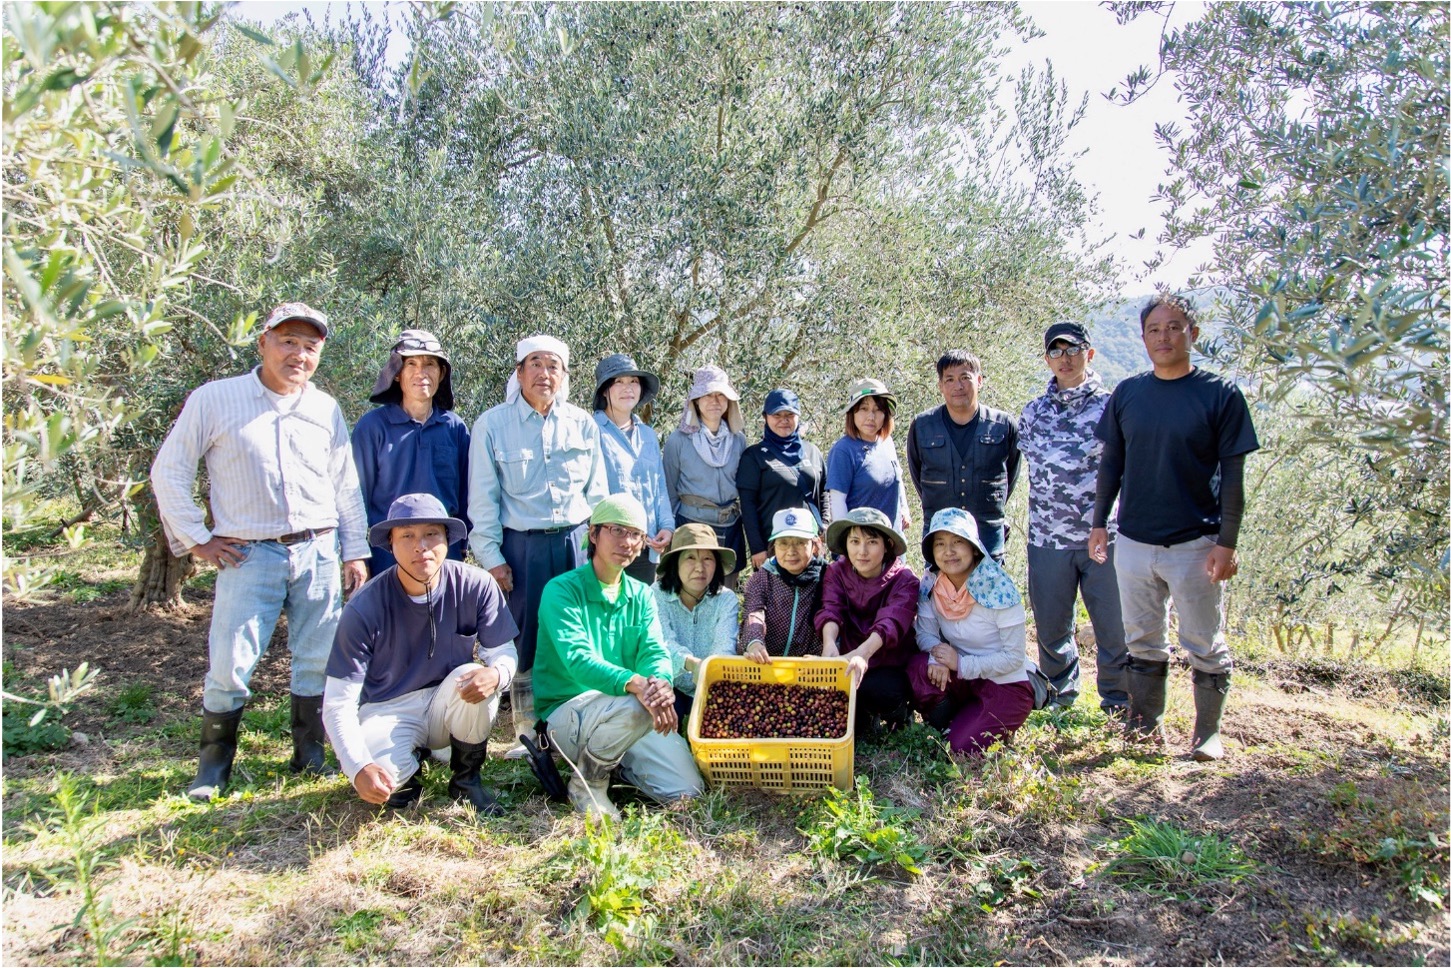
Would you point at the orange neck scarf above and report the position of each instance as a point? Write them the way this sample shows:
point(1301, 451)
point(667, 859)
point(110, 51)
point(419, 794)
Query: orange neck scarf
point(952, 603)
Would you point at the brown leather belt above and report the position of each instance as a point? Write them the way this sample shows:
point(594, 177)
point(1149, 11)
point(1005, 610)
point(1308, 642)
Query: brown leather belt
point(299, 536)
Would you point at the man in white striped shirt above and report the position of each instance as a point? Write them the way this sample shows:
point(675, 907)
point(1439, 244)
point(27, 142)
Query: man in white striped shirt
point(284, 495)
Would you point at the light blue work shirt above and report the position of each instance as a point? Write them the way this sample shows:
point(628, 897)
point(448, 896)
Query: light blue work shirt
point(531, 472)
point(633, 466)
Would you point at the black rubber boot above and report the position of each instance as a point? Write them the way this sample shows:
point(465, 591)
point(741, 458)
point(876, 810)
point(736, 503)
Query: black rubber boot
point(940, 715)
point(465, 761)
point(406, 795)
point(1148, 691)
point(219, 748)
point(308, 737)
point(1210, 691)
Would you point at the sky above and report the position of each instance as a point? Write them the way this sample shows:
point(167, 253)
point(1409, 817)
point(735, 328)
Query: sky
point(1092, 53)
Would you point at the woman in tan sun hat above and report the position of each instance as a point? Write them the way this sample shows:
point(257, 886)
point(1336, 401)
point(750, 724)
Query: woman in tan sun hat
point(701, 458)
point(862, 469)
point(698, 621)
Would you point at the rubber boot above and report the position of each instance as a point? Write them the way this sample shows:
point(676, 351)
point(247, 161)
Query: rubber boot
point(308, 737)
point(940, 715)
point(1148, 690)
point(406, 795)
point(521, 708)
point(589, 788)
point(465, 786)
point(1210, 690)
point(219, 748)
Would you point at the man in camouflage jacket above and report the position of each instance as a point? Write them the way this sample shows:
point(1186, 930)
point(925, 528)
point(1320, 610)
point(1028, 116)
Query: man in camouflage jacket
point(1056, 436)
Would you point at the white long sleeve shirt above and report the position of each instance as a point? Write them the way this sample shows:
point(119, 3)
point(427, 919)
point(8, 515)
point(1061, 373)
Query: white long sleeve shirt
point(277, 464)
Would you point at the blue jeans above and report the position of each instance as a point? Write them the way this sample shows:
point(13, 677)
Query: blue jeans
point(304, 579)
point(1056, 576)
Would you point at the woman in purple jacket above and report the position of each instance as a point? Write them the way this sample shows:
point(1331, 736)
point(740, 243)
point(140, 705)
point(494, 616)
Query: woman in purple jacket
point(869, 603)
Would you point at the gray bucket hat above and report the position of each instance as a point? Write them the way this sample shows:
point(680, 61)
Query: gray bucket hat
point(868, 387)
point(618, 365)
point(413, 342)
point(416, 509)
point(864, 518)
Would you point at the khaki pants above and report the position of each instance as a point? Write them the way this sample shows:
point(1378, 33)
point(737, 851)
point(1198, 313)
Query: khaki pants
point(1149, 577)
point(617, 729)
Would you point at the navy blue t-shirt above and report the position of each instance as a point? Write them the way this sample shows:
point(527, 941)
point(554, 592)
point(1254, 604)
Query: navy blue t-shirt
point(1173, 434)
point(383, 636)
point(868, 473)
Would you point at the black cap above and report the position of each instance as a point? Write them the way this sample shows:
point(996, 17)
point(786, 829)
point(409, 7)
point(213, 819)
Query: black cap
point(1072, 333)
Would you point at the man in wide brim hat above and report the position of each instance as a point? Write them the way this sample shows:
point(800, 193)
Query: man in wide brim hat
point(413, 442)
point(404, 677)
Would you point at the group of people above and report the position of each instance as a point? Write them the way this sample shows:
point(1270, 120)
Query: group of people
point(608, 563)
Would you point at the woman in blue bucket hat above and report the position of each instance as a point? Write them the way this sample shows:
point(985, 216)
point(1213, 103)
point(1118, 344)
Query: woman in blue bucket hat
point(971, 676)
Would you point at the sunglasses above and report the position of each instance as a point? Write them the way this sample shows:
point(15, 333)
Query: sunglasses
point(427, 345)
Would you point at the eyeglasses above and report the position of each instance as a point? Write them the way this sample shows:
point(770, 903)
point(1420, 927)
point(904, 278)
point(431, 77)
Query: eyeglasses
point(1057, 352)
point(427, 345)
point(622, 533)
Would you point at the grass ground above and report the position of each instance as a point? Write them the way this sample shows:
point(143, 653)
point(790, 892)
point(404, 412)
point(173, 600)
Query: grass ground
point(1322, 839)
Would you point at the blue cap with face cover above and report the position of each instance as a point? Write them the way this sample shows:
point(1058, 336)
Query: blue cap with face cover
point(781, 400)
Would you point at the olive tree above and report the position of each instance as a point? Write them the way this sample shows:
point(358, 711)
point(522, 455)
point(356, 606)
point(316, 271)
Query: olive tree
point(1314, 156)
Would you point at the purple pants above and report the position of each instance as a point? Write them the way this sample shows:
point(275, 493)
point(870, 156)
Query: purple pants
point(981, 711)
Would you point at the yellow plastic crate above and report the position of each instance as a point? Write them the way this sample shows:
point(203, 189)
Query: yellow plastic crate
point(793, 765)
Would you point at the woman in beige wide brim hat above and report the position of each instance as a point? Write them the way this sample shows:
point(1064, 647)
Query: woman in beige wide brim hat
point(696, 617)
point(701, 459)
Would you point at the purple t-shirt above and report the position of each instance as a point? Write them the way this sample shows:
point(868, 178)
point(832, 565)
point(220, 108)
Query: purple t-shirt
point(869, 474)
point(383, 636)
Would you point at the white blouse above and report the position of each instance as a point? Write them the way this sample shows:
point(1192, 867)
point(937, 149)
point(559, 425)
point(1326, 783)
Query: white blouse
point(991, 643)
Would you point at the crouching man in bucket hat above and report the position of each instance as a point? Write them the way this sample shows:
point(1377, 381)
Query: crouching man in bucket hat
point(421, 657)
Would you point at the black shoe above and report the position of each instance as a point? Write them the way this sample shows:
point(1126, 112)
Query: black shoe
point(308, 737)
point(406, 795)
point(465, 760)
point(219, 748)
point(940, 715)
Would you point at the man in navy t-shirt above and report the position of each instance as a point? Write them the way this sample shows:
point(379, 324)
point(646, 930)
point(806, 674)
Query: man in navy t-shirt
point(1174, 443)
point(422, 654)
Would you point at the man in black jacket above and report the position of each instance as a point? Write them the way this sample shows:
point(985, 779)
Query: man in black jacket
point(963, 454)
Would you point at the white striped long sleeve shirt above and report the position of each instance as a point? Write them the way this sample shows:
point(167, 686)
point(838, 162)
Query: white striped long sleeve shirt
point(278, 464)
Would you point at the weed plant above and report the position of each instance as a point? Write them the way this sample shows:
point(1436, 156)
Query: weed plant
point(1389, 833)
point(618, 866)
point(1163, 859)
point(853, 825)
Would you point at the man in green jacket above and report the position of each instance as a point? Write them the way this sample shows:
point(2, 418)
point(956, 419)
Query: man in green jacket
point(602, 675)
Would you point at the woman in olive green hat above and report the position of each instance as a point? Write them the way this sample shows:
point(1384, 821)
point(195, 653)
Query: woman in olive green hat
point(862, 469)
point(697, 620)
point(868, 607)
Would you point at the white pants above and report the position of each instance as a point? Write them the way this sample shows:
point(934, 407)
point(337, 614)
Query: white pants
point(617, 729)
point(424, 718)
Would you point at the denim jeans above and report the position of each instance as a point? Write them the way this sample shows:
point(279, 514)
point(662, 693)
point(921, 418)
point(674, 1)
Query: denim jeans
point(302, 578)
point(617, 729)
point(1056, 576)
point(1149, 576)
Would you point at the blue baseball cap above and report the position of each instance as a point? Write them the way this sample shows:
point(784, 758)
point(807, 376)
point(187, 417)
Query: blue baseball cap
point(781, 400)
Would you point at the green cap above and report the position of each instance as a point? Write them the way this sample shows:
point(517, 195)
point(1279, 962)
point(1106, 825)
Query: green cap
point(619, 509)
